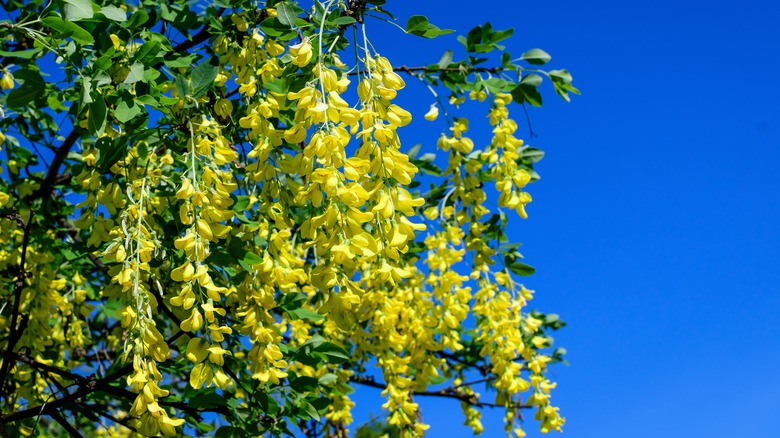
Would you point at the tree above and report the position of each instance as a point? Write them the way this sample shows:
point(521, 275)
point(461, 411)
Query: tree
point(213, 223)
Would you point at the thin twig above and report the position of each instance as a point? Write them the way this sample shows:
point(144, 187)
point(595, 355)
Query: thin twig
point(423, 68)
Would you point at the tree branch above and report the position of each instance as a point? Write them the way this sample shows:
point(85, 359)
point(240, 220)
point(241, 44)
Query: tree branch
point(49, 408)
point(471, 399)
point(22, 274)
point(121, 422)
point(87, 386)
point(74, 234)
point(47, 186)
point(424, 68)
point(65, 425)
point(43, 367)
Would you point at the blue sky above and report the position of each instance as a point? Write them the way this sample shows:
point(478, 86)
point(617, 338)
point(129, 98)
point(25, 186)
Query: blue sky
point(654, 229)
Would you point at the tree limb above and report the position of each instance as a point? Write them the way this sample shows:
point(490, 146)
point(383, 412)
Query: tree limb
point(65, 425)
point(22, 274)
point(471, 399)
point(424, 68)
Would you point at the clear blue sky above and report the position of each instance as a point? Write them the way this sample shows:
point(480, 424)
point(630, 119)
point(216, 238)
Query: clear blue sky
point(655, 230)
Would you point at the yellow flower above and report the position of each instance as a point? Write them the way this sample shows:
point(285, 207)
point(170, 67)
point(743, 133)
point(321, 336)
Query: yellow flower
point(116, 41)
point(398, 116)
point(240, 23)
point(6, 83)
point(223, 108)
point(197, 350)
point(432, 113)
point(301, 53)
point(274, 48)
point(192, 323)
point(201, 375)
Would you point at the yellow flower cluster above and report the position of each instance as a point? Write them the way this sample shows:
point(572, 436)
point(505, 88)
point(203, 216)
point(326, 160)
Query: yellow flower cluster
point(503, 154)
point(204, 207)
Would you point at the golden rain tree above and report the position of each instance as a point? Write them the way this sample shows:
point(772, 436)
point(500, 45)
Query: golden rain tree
point(213, 222)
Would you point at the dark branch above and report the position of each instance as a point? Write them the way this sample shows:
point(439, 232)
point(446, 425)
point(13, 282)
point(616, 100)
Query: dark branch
point(419, 69)
point(42, 366)
point(47, 186)
point(17, 327)
point(124, 423)
point(49, 408)
point(73, 232)
point(65, 425)
point(451, 392)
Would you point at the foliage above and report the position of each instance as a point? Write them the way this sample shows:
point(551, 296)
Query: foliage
point(210, 224)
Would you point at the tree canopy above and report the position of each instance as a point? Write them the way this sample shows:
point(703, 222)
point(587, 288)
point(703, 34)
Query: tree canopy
point(214, 222)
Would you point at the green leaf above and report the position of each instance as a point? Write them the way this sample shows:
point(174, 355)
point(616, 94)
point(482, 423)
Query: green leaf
point(500, 35)
point(417, 25)
point(428, 157)
point(273, 27)
point(209, 400)
point(560, 75)
point(245, 258)
point(304, 314)
point(286, 14)
point(70, 255)
point(446, 59)
point(136, 73)
point(292, 301)
point(96, 122)
point(413, 151)
point(147, 53)
point(125, 112)
point(114, 13)
point(86, 92)
point(220, 258)
point(75, 10)
point(182, 87)
point(226, 432)
point(303, 383)
point(343, 21)
point(497, 85)
point(203, 77)
point(521, 269)
point(536, 57)
point(109, 153)
point(250, 258)
point(311, 411)
point(328, 379)
point(67, 29)
point(431, 169)
point(524, 93)
point(241, 203)
point(532, 80)
point(138, 18)
point(32, 88)
point(434, 31)
point(333, 353)
point(111, 309)
point(562, 83)
point(24, 54)
point(532, 154)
